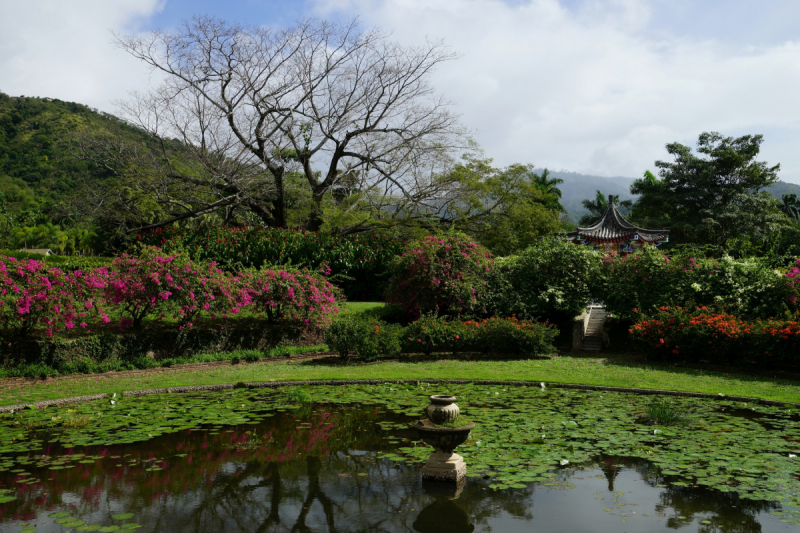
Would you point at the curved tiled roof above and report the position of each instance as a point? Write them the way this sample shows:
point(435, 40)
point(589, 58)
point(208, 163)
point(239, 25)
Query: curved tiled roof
point(612, 227)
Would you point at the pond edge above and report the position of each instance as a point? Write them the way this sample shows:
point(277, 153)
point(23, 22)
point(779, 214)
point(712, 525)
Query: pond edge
point(276, 384)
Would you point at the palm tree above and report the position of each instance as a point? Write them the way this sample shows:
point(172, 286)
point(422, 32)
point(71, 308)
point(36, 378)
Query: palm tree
point(597, 207)
point(549, 187)
point(790, 205)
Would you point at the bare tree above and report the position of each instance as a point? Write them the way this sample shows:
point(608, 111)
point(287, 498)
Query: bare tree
point(253, 104)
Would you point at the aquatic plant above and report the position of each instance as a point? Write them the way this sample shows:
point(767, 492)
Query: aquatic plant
point(664, 413)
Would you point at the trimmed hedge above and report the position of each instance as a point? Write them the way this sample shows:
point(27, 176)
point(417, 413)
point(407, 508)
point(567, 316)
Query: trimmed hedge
point(370, 337)
point(110, 351)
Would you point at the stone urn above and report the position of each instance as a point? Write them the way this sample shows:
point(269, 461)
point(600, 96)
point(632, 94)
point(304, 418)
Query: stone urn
point(444, 464)
point(443, 409)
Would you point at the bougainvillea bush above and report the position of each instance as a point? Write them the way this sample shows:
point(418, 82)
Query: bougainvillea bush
point(33, 296)
point(298, 295)
point(650, 279)
point(705, 335)
point(357, 263)
point(151, 286)
point(443, 274)
point(550, 280)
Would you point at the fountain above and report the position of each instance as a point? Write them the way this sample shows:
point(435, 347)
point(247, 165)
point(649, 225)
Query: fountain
point(443, 464)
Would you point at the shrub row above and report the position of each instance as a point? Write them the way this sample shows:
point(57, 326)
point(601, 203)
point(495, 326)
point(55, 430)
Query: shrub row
point(152, 285)
point(702, 334)
point(554, 278)
point(163, 347)
point(369, 337)
point(357, 263)
point(648, 280)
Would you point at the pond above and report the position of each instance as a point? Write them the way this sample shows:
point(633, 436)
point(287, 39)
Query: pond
point(343, 458)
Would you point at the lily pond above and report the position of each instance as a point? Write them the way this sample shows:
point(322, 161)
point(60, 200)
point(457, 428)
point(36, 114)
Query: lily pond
point(344, 459)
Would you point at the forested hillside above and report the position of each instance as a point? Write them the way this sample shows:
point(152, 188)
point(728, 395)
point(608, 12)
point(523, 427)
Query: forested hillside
point(38, 171)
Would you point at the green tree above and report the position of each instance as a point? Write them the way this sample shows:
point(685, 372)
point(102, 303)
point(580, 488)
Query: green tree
point(790, 205)
point(549, 186)
point(597, 207)
point(503, 208)
point(713, 196)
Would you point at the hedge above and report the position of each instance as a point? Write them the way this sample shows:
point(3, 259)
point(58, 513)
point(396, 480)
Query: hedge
point(108, 351)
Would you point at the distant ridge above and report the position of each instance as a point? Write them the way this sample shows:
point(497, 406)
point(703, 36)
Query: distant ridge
point(578, 187)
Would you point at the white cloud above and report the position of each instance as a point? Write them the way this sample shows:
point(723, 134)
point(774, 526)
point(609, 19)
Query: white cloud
point(62, 49)
point(590, 90)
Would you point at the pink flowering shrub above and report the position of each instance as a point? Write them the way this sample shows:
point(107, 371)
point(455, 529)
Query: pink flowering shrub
point(793, 275)
point(447, 273)
point(159, 285)
point(292, 295)
point(33, 296)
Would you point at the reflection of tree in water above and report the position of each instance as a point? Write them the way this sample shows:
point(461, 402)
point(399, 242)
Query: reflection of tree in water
point(730, 513)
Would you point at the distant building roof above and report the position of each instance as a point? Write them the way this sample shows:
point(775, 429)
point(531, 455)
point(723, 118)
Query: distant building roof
point(41, 251)
point(613, 227)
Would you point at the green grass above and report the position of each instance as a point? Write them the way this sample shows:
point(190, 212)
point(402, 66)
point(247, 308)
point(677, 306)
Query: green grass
point(562, 369)
point(358, 308)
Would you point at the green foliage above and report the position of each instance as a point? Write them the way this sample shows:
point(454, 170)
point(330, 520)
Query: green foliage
point(711, 199)
point(505, 209)
point(107, 352)
point(551, 279)
point(664, 413)
point(510, 336)
point(445, 274)
point(368, 337)
point(346, 333)
point(650, 279)
point(458, 422)
point(357, 263)
point(431, 333)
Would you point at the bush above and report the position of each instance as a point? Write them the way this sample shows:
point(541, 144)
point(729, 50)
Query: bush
point(34, 295)
point(552, 279)
point(366, 336)
point(346, 333)
point(650, 279)
point(445, 274)
point(705, 335)
point(432, 333)
point(154, 284)
point(298, 295)
point(504, 336)
point(357, 263)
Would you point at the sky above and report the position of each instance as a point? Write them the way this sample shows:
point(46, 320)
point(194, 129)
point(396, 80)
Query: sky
point(590, 86)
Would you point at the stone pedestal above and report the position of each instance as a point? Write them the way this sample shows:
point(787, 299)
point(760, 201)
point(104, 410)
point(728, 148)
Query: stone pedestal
point(444, 466)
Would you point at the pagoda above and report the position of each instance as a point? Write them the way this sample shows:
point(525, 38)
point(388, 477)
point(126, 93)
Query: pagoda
point(613, 233)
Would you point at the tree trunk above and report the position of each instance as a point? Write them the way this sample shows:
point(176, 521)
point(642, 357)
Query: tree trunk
point(315, 218)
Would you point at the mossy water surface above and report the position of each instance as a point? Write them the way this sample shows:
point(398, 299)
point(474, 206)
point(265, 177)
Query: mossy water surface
point(197, 455)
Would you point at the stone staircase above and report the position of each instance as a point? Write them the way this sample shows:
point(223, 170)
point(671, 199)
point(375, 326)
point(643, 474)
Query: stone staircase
point(593, 335)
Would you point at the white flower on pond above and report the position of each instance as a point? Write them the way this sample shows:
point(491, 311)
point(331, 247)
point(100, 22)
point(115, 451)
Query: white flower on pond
point(792, 455)
point(656, 431)
point(564, 462)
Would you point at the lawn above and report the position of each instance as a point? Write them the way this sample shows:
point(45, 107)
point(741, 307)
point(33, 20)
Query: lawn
point(560, 369)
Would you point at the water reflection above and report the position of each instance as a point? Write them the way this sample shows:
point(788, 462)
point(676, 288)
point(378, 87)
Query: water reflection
point(317, 470)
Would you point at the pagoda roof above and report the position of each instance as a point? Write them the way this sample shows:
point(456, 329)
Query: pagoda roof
point(613, 227)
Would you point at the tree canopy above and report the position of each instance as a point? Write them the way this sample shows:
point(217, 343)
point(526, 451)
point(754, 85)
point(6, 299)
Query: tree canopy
point(711, 196)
